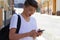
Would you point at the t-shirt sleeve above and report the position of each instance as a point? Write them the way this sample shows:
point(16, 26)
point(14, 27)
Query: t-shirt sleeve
point(13, 22)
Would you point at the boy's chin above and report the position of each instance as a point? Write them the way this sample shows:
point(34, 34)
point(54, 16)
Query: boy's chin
point(29, 15)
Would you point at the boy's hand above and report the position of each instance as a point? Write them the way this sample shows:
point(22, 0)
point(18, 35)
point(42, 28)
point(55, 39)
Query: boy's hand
point(33, 33)
point(39, 33)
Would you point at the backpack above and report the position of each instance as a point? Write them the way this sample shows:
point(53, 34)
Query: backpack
point(4, 32)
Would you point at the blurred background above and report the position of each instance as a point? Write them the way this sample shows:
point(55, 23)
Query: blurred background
point(47, 15)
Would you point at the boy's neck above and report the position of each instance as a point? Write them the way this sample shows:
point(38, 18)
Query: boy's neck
point(25, 17)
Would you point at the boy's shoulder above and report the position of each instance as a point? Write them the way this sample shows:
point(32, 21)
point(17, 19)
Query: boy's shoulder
point(32, 18)
point(14, 15)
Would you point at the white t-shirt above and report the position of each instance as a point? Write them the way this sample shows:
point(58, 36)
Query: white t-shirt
point(25, 26)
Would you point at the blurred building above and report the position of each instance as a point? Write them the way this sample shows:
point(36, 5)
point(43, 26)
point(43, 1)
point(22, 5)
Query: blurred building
point(58, 7)
point(19, 3)
point(4, 11)
point(1, 4)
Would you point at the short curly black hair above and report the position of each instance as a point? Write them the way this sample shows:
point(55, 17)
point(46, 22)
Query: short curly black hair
point(31, 3)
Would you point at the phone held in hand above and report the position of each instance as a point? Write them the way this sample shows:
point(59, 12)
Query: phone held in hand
point(40, 30)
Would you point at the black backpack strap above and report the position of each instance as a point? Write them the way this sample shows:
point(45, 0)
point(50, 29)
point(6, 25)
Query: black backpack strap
point(18, 24)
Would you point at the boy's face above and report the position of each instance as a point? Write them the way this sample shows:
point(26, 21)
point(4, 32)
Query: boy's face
point(29, 10)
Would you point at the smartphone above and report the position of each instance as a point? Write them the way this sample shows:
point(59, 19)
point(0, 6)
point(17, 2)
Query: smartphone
point(40, 30)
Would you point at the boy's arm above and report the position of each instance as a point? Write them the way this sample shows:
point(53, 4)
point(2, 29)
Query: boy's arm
point(14, 36)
